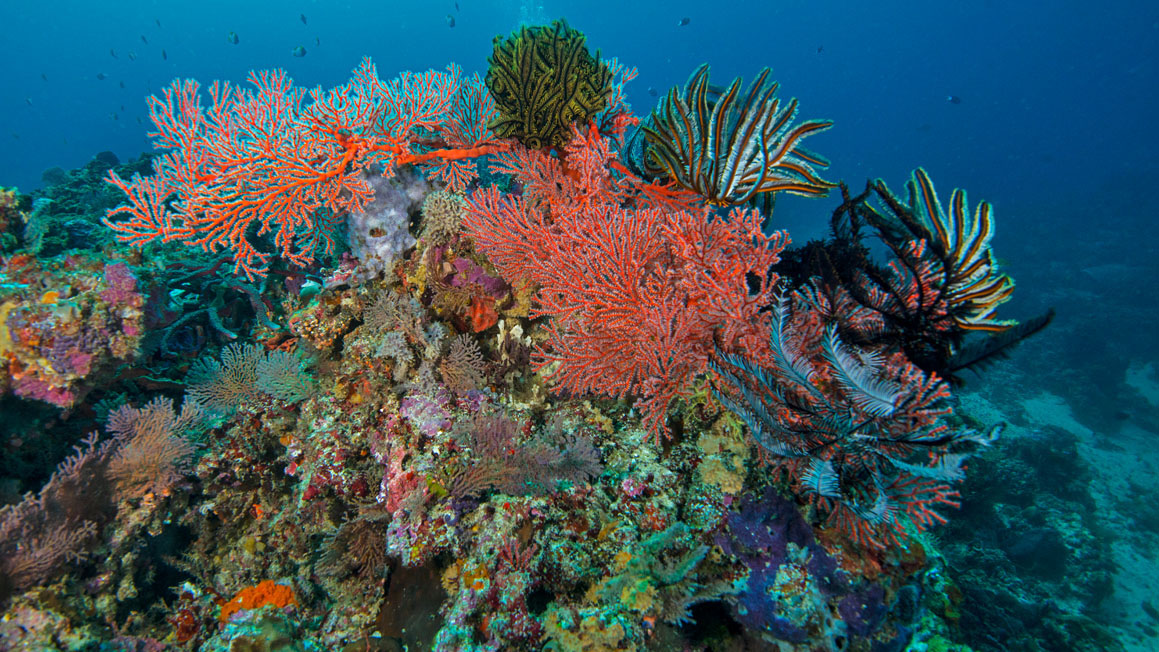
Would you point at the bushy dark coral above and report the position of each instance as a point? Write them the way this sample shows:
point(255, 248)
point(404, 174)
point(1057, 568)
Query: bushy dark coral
point(543, 80)
point(928, 296)
point(860, 431)
point(358, 546)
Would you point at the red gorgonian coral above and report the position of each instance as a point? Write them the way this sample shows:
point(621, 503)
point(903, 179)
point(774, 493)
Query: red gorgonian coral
point(636, 295)
point(266, 160)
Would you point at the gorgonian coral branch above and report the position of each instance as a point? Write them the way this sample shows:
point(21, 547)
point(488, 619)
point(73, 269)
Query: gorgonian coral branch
point(264, 160)
point(636, 296)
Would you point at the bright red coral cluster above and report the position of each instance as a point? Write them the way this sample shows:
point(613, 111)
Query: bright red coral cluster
point(648, 289)
point(637, 292)
point(267, 160)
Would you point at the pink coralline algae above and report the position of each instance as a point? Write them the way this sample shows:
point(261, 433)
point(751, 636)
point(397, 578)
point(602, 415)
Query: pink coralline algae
point(65, 325)
point(121, 285)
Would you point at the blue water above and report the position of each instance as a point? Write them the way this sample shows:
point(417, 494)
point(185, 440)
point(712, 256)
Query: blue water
point(1057, 98)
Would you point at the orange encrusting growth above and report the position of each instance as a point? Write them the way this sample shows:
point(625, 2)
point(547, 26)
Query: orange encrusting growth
point(266, 592)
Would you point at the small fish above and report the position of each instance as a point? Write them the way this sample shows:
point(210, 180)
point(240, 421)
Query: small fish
point(113, 116)
point(132, 56)
point(1151, 610)
point(112, 53)
point(450, 20)
point(684, 21)
point(139, 121)
point(101, 76)
point(954, 99)
point(163, 55)
point(303, 18)
point(984, 438)
point(456, 5)
point(122, 107)
point(652, 91)
point(29, 100)
point(44, 76)
point(317, 41)
point(232, 38)
point(144, 40)
point(299, 51)
point(158, 21)
point(820, 49)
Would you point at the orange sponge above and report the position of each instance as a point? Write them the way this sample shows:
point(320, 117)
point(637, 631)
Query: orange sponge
point(261, 594)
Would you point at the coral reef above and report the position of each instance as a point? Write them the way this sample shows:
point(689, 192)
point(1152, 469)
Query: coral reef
point(575, 406)
point(67, 214)
point(1030, 552)
point(13, 215)
point(66, 325)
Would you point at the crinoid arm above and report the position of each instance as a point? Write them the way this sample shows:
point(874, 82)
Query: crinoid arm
point(730, 146)
point(973, 286)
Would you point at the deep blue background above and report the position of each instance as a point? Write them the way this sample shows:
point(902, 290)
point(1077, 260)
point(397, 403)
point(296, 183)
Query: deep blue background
point(1057, 98)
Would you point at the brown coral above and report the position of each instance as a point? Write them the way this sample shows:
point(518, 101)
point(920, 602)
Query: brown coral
point(442, 216)
point(153, 454)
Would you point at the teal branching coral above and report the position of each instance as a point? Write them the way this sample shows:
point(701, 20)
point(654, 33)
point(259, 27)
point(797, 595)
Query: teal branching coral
point(665, 576)
point(247, 373)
